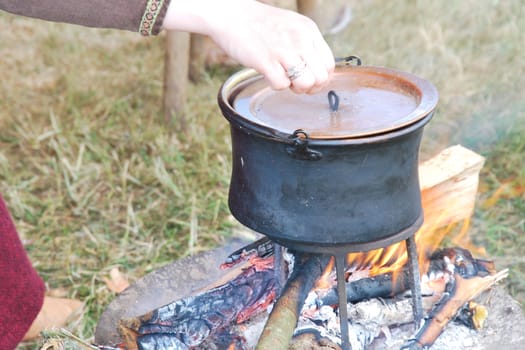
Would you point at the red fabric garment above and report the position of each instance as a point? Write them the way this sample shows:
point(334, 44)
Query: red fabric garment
point(21, 288)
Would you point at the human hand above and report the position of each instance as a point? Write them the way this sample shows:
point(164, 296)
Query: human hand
point(273, 41)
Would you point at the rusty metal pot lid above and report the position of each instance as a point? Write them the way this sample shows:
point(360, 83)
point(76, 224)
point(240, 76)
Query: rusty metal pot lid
point(360, 101)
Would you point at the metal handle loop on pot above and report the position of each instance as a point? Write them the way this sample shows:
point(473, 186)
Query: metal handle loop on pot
point(346, 61)
point(299, 135)
point(299, 147)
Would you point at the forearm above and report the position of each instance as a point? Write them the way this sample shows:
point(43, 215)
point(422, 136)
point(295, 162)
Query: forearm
point(145, 16)
point(206, 16)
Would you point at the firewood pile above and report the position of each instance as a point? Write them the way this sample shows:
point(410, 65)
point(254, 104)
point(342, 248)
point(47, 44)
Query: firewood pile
point(259, 297)
point(218, 317)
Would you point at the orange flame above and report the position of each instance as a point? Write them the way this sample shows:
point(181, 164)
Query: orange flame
point(430, 236)
point(510, 188)
point(440, 225)
point(326, 281)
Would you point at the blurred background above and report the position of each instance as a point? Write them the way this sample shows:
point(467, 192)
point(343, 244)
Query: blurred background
point(95, 180)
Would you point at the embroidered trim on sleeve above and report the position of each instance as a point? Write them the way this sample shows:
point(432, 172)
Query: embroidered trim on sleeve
point(153, 8)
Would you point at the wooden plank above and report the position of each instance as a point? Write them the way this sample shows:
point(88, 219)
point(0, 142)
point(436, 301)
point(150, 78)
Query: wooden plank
point(449, 184)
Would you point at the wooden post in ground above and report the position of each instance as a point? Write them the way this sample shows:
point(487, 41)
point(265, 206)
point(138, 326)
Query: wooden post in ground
point(200, 45)
point(176, 65)
point(331, 16)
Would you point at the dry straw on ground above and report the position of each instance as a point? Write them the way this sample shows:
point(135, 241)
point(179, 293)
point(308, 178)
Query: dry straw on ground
point(95, 181)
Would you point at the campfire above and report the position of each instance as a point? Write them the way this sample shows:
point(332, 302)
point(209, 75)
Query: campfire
point(270, 297)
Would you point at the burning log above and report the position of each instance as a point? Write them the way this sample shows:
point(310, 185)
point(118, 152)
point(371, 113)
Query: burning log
point(396, 310)
point(380, 286)
point(467, 278)
point(280, 326)
point(390, 284)
point(454, 279)
point(369, 318)
point(187, 323)
point(462, 291)
point(262, 248)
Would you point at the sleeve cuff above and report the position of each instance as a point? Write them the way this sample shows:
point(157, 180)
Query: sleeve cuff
point(153, 17)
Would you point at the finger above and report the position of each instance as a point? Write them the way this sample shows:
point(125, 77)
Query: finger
point(319, 71)
point(303, 83)
point(317, 88)
point(325, 67)
point(299, 74)
point(319, 58)
point(324, 52)
point(276, 76)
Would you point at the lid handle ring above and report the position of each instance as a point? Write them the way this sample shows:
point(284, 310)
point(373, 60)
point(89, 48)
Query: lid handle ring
point(333, 101)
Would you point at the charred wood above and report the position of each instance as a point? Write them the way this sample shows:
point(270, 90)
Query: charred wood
point(461, 292)
point(281, 323)
point(262, 248)
point(389, 285)
point(468, 278)
point(187, 323)
point(280, 266)
point(380, 286)
point(460, 260)
point(473, 315)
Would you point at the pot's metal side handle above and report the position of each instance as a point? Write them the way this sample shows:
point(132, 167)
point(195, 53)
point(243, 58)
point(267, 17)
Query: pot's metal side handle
point(299, 149)
point(347, 61)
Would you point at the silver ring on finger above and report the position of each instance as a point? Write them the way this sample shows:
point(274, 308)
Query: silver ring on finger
point(296, 71)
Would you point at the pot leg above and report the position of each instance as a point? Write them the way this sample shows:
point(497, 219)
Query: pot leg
point(415, 283)
point(340, 266)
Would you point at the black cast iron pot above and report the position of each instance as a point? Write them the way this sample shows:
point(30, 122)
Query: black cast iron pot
point(316, 189)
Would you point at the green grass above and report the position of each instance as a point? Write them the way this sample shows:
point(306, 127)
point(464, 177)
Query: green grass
point(92, 177)
point(501, 219)
point(95, 180)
